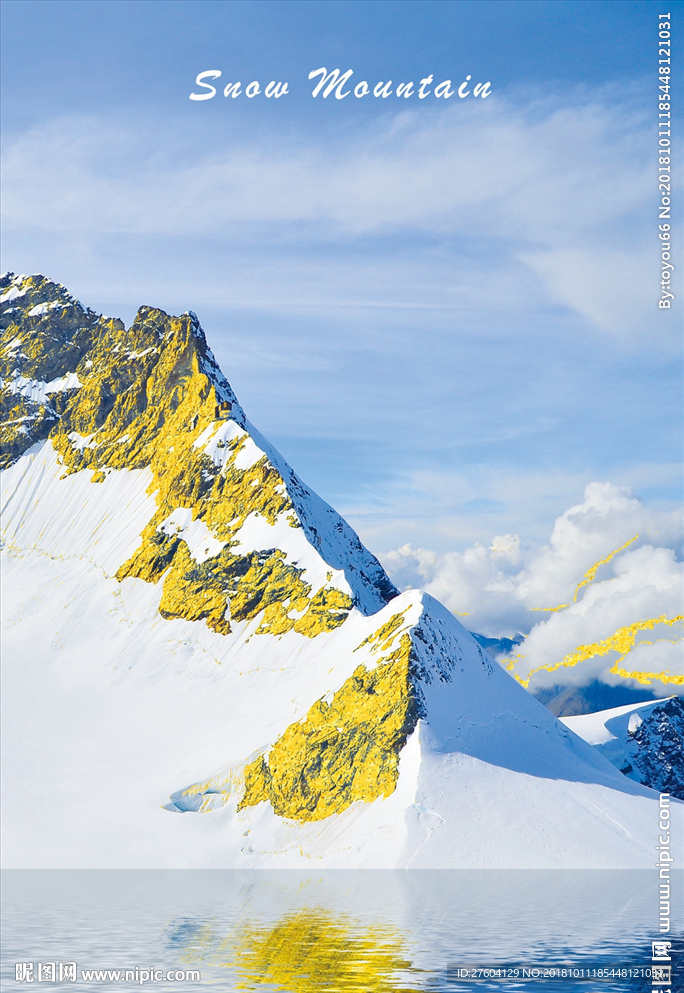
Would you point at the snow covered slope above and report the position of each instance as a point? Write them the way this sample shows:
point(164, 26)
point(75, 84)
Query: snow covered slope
point(645, 741)
point(183, 618)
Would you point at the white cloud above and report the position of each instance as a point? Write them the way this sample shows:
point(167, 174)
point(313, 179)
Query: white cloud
point(599, 283)
point(453, 509)
point(645, 584)
point(500, 585)
point(608, 517)
point(555, 187)
point(545, 180)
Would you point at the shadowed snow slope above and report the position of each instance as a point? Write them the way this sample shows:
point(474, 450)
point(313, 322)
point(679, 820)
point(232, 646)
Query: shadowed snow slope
point(183, 618)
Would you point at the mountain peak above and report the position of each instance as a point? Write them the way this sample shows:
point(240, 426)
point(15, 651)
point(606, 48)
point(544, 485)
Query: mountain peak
point(153, 396)
point(200, 608)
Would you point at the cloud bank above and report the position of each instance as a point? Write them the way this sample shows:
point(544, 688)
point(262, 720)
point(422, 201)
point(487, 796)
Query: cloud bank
point(550, 186)
point(499, 589)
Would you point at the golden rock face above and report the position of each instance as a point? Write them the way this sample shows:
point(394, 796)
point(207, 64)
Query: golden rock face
point(44, 335)
point(137, 402)
point(146, 394)
point(345, 750)
point(147, 397)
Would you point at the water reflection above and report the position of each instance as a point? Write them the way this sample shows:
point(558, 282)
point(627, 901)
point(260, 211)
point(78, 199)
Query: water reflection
point(365, 931)
point(305, 952)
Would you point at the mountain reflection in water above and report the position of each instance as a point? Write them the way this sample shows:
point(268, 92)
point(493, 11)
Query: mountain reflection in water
point(366, 931)
point(305, 952)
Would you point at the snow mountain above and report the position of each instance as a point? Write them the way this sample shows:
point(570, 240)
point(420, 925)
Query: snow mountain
point(645, 741)
point(205, 667)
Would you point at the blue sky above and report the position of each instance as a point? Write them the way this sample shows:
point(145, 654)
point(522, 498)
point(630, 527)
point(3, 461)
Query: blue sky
point(443, 312)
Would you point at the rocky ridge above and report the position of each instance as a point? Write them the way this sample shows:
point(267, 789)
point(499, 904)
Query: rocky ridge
point(645, 741)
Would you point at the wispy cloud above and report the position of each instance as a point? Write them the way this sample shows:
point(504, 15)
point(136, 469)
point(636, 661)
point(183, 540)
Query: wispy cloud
point(501, 587)
point(544, 186)
point(546, 178)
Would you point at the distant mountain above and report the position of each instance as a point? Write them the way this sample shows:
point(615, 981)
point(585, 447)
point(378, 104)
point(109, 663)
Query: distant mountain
point(643, 741)
point(183, 617)
point(563, 700)
point(498, 646)
point(567, 701)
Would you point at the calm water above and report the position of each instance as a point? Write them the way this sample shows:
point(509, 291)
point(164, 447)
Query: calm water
point(365, 931)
